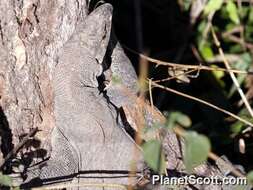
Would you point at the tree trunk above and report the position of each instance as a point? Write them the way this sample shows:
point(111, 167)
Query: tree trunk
point(31, 34)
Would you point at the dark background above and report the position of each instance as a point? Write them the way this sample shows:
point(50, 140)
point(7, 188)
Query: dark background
point(163, 30)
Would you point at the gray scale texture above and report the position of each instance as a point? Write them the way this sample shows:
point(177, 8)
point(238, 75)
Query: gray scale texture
point(87, 136)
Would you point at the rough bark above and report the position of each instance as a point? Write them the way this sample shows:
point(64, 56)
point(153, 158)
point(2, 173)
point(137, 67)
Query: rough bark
point(31, 34)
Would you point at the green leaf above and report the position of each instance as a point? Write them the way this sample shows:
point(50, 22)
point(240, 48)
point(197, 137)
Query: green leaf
point(218, 74)
point(206, 51)
point(243, 12)
point(241, 187)
point(171, 120)
point(154, 155)
point(242, 64)
point(16, 188)
point(178, 117)
point(237, 48)
point(230, 26)
point(5, 180)
point(196, 150)
point(237, 127)
point(249, 32)
point(233, 89)
point(183, 120)
point(250, 177)
point(202, 25)
point(223, 13)
point(213, 5)
point(232, 12)
point(250, 19)
point(187, 4)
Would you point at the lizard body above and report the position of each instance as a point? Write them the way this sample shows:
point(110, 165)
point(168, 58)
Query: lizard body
point(86, 137)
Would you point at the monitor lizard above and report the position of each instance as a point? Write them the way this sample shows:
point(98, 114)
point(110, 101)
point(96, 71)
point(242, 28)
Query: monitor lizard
point(86, 138)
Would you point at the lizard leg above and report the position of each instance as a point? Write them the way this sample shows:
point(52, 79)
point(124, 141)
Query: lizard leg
point(64, 160)
point(62, 165)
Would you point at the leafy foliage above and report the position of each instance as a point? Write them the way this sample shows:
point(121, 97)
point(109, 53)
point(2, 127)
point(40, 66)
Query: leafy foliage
point(232, 12)
point(196, 150)
point(6, 181)
point(154, 156)
point(250, 177)
point(213, 5)
point(233, 24)
point(178, 118)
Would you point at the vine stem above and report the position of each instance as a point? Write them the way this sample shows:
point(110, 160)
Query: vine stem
point(203, 102)
point(232, 75)
point(181, 132)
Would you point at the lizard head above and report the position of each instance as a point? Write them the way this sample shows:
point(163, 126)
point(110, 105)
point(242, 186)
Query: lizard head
point(97, 29)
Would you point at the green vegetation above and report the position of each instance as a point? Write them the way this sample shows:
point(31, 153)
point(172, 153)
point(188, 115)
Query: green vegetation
point(223, 35)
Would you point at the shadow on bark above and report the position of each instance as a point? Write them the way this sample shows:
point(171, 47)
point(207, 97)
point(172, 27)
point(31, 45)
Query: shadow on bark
point(6, 137)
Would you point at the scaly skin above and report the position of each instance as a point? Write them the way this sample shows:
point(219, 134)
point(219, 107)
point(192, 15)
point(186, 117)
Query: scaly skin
point(87, 136)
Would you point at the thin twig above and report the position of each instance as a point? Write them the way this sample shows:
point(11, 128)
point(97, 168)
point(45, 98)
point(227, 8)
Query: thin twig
point(214, 59)
point(181, 132)
point(203, 102)
point(175, 76)
point(232, 75)
point(238, 40)
point(141, 123)
point(185, 66)
point(237, 29)
point(208, 26)
point(19, 146)
point(150, 94)
point(200, 67)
